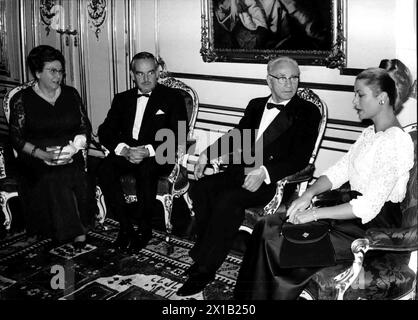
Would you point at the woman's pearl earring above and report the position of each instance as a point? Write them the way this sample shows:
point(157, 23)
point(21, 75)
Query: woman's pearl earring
point(381, 102)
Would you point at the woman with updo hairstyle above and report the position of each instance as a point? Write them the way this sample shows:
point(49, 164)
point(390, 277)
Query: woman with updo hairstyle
point(406, 104)
point(377, 168)
point(48, 129)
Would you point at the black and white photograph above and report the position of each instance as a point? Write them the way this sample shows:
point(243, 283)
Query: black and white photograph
point(208, 158)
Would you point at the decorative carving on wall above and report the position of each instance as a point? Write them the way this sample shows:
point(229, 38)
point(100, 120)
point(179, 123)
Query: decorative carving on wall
point(97, 14)
point(47, 14)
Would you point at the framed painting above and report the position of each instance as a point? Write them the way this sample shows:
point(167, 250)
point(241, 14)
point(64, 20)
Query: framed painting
point(255, 31)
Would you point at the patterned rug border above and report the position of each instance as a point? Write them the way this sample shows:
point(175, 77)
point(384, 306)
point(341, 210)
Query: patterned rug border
point(34, 246)
point(171, 259)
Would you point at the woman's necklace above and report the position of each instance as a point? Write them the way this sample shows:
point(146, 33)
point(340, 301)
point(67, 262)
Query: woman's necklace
point(51, 100)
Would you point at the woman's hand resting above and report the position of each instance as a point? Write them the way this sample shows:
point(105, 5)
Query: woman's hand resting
point(303, 216)
point(298, 207)
point(59, 155)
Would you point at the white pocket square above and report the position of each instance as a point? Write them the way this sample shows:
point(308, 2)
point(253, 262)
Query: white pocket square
point(160, 112)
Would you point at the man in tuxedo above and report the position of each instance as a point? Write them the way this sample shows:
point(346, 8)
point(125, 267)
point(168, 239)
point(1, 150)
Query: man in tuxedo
point(283, 131)
point(129, 133)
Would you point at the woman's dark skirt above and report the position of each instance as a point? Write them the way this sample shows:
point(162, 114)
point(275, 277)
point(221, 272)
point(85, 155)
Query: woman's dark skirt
point(261, 278)
point(54, 199)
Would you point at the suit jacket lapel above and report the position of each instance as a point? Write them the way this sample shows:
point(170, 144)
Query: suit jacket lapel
point(131, 104)
point(259, 113)
point(278, 126)
point(152, 105)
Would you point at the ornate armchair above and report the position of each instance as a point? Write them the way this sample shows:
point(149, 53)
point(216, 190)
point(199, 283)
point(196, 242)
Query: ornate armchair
point(176, 184)
point(389, 275)
point(8, 185)
point(301, 178)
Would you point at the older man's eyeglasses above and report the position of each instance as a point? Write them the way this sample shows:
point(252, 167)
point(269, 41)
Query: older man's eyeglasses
point(283, 80)
point(54, 71)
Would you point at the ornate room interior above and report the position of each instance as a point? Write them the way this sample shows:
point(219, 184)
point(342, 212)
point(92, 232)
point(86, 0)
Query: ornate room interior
point(98, 39)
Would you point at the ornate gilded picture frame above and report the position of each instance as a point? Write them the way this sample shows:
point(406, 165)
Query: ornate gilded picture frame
point(254, 31)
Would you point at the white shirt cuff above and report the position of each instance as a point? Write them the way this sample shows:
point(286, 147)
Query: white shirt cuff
point(150, 150)
point(267, 179)
point(120, 147)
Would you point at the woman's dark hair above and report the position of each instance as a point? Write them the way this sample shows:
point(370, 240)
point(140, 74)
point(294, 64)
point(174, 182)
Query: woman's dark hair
point(402, 77)
point(39, 55)
point(379, 81)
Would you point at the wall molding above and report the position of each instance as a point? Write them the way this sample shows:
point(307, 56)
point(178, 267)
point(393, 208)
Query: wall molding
point(311, 85)
point(350, 71)
point(348, 123)
point(359, 125)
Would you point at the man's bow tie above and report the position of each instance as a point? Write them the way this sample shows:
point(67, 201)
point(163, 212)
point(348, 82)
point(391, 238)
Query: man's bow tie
point(274, 105)
point(143, 95)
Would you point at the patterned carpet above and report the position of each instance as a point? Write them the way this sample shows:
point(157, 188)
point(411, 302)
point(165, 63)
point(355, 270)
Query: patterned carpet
point(33, 270)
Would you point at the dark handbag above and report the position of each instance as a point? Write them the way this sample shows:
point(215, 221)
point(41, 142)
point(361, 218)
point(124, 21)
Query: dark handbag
point(306, 245)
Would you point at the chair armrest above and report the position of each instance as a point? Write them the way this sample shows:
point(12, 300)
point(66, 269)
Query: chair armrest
point(305, 174)
point(400, 239)
point(95, 149)
point(274, 204)
point(178, 176)
point(345, 279)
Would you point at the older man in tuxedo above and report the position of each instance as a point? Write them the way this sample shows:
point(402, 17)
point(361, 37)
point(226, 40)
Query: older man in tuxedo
point(283, 130)
point(129, 132)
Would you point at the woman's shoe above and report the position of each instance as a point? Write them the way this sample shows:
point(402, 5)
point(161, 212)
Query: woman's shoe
point(79, 245)
point(80, 242)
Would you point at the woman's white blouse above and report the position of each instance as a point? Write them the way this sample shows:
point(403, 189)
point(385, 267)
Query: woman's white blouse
point(377, 165)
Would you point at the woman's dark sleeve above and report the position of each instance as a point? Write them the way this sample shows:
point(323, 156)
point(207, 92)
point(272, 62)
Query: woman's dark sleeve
point(17, 122)
point(85, 126)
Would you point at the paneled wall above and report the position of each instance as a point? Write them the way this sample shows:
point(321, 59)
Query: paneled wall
point(10, 63)
point(96, 39)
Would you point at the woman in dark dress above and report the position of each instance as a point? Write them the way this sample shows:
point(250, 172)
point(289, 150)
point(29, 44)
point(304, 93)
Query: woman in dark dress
point(48, 128)
point(377, 167)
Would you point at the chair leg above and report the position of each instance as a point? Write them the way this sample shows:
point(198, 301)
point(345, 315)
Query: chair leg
point(167, 201)
point(4, 202)
point(101, 205)
point(189, 203)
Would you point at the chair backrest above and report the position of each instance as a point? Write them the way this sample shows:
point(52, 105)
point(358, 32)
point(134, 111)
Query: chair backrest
point(308, 95)
point(409, 204)
point(8, 98)
point(188, 93)
point(9, 95)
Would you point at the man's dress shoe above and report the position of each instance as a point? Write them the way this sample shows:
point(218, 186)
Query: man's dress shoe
point(192, 269)
point(196, 283)
point(139, 242)
point(123, 241)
